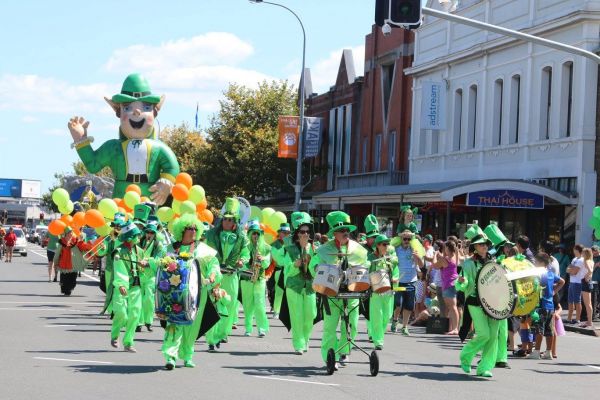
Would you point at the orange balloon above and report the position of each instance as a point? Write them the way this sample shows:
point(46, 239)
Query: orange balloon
point(56, 227)
point(78, 219)
point(201, 206)
point(76, 231)
point(94, 218)
point(180, 192)
point(67, 219)
point(207, 216)
point(185, 179)
point(134, 188)
point(145, 199)
point(122, 210)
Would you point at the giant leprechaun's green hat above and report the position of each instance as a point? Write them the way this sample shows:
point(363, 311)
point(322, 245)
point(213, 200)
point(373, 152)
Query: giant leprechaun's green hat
point(299, 218)
point(495, 235)
point(476, 236)
point(339, 220)
point(232, 208)
point(371, 226)
point(136, 88)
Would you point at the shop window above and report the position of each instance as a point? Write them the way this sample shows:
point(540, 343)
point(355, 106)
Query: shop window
point(497, 116)
point(457, 128)
point(515, 109)
point(545, 103)
point(566, 99)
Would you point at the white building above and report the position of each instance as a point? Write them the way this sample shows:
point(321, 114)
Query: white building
point(517, 116)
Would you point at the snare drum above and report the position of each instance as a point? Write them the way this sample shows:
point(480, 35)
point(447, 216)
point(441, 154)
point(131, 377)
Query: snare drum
point(380, 281)
point(177, 292)
point(358, 278)
point(497, 294)
point(328, 279)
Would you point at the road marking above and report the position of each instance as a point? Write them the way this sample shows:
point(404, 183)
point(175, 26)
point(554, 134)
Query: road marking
point(295, 380)
point(593, 366)
point(73, 360)
point(56, 326)
point(83, 273)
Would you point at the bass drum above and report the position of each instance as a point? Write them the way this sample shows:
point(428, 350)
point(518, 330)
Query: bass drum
point(177, 292)
point(526, 288)
point(497, 295)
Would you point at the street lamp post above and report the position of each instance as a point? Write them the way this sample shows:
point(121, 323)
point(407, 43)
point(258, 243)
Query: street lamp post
point(298, 185)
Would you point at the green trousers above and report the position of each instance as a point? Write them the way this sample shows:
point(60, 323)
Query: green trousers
point(330, 324)
point(108, 276)
point(502, 355)
point(278, 293)
point(254, 304)
point(231, 284)
point(303, 310)
point(380, 313)
point(126, 313)
point(179, 340)
point(485, 340)
point(148, 300)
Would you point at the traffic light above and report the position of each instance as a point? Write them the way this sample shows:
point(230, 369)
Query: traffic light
point(400, 12)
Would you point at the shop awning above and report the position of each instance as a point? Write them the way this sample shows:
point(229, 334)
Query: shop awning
point(431, 192)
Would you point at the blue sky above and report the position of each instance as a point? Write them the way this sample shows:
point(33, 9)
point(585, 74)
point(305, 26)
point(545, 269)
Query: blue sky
point(60, 58)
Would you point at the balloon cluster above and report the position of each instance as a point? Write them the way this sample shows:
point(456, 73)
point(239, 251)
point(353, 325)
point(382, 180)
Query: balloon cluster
point(594, 222)
point(270, 221)
point(187, 199)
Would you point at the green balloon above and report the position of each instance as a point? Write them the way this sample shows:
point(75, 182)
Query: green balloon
point(596, 212)
point(104, 230)
point(60, 197)
point(255, 213)
point(108, 208)
point(594, 223)
point(266, 214)
point(131, 199)
point(165, 214)
point(597, 234)
point(196, 194)
point(276, 219)
point(66, 208)
point(188, 207)
point(176, 205)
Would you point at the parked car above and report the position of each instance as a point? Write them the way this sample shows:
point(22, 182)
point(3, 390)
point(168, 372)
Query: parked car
point(37, 233)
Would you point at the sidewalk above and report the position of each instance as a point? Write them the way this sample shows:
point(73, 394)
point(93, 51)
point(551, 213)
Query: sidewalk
point(584, 331)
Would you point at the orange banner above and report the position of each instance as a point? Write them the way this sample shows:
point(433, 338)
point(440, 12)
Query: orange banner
point(288, 137)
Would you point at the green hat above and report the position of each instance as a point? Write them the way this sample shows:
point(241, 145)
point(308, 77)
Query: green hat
point(495, 235)
point(381, 239)
point(476, 236)
point(232, 208)
point(154, 218)
point(371, 226)
point(254, 226)
point(284, 227)
point(136, 88)
point(141, 212)
point(299, 218)
point(339, 220)
point(129, 232)
point(119, 220)
point(408, 207)
point(151, 226)
point(428, 237)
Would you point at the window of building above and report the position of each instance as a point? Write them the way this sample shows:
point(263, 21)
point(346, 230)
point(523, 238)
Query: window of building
point(566, 100)
point(387, 80)
point(365, 152)
point(377, 153)
point(515, 109)
point(472, 121)
point(457, 128)
point(545, 103)
point(392, 151)
point(497, 116)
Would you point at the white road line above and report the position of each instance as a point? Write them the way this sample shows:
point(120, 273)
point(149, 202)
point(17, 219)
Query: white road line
point(72, 360)
point(83, 273)
point(593, 366)
point(295, 380)
point(56, 326)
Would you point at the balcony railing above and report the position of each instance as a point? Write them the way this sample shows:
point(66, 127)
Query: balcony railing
point(370, 179)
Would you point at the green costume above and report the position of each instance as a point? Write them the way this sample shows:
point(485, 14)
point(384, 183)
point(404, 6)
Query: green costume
point(108, 250)
point(381, 305)
point(486, 328)
point(231, 247)
point(278, 255)
point(254, 292)
point(153, 251)
point(160, 161)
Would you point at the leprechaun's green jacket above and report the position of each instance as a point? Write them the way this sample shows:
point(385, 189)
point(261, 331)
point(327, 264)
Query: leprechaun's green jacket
point(161, 163)
point(328, 254)
point(231, 247)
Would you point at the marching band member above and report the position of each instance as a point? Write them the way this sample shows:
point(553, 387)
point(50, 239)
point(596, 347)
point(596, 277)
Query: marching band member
point(300, 295)
point(179, 339)
point(486, 328)
point(345, 252)
point(254, 290)
point(231, 243)
point(153, 250)
point(108, 249)
point(277, 254)
point(381, 304)
point(127, 294)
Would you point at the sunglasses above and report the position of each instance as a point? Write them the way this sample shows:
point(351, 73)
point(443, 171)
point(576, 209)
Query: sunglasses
point(406, 239)
point(344, 231)
point(228, 219)
point(191, 229)
point(303, 232)
point(384, 244)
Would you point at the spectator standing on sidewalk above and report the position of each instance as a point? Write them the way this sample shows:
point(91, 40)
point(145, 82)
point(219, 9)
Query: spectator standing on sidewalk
point(586, 286)
point(596, 283)
point(575, 270)
point(523, 248)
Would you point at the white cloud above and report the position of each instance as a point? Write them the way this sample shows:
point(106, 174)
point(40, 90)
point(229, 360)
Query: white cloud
point(29, 119)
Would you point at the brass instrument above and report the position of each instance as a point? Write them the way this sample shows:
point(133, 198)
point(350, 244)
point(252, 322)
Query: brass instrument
point(256, 265)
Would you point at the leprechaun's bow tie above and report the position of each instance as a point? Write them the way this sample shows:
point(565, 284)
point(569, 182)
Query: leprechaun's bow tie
point(136, 143)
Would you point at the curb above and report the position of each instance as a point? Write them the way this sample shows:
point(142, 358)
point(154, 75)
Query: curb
point(583, 331)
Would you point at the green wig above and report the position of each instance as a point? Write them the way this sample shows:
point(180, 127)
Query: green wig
point(185, 221)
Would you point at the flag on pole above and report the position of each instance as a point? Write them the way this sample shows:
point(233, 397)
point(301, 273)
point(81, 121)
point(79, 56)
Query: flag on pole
point(196, 116)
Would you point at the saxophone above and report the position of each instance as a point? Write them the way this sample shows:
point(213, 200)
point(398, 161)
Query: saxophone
point(256, 265)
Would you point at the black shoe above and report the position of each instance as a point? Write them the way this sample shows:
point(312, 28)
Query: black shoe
point(149, 327)
point(67, 292)
point(211, 348)
point(218, 345)
point(379, 347)
point(138, 328)
point(169, 366)
point(54, 280)
point(225, 340)
point(502, 364)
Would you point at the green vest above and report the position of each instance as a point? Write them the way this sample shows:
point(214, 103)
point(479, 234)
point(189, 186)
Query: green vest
point(295, 278)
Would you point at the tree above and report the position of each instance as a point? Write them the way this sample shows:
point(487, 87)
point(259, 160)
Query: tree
point(187, 146)
point(241, 155)
point(80, 170)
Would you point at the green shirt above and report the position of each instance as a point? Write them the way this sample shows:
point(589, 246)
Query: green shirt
point(295, 277)
point(52, 242)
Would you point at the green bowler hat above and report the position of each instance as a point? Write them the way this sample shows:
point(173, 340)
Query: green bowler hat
point(136, 88)
point(338, 220)
point(476, 236)
point(232, 208)
point(141, 212)
point(382, 239)
point(129, 232)
point(299, 218)
point(284, 227)
point(371, 226)
point(254, 226)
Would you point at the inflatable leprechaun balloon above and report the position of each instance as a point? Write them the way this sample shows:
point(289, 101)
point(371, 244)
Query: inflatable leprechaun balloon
point(137, 156)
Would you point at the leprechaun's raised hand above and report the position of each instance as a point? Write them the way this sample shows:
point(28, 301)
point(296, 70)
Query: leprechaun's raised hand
point(78, 128)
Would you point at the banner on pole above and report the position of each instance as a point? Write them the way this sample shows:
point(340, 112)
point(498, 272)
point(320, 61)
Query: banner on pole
point(288, 137)
point(433, 106)
point(313, 128)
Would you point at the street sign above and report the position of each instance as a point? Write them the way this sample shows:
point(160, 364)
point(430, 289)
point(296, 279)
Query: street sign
point(505, 199)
